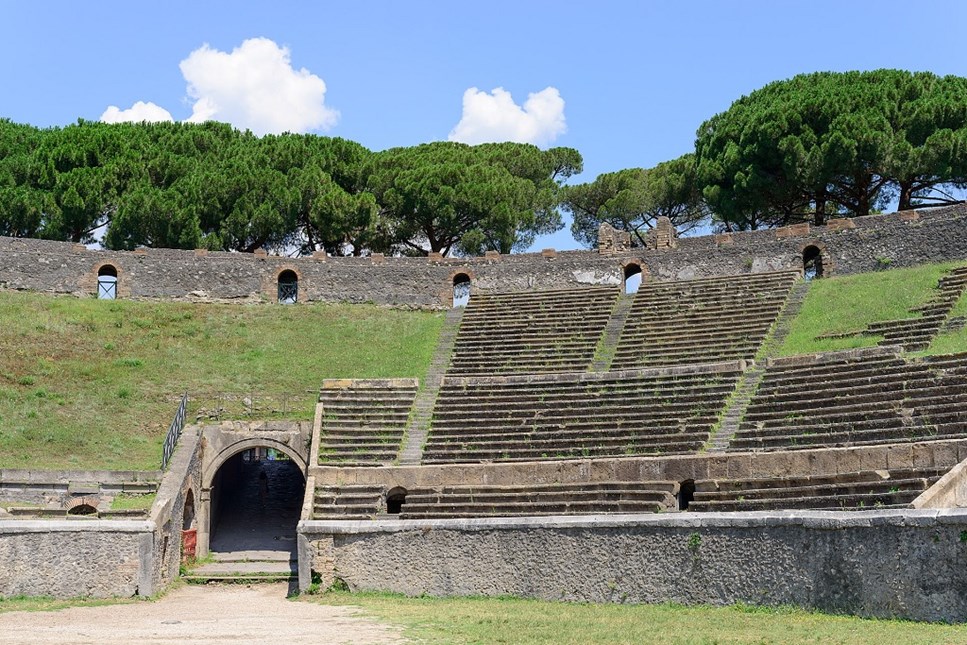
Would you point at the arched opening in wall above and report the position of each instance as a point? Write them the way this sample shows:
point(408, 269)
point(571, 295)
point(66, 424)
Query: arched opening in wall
point(395, 499)
point(188, 516)
point(632, 273)
point(189, 534)
point(461, 290)
point(686, 493)
point(812, 262)
point(288, 287)
point(256, 500)
point(107, 282)
point(82, 509)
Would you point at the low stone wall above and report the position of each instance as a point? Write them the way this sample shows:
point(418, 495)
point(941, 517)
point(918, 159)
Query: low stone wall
point(59, 487)
point(928, 454)
point(906, 564)
point(70, 558)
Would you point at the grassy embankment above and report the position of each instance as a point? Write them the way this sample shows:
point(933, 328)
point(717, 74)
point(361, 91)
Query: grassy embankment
point(94, 384)
point(842, 304)
point(486, 620)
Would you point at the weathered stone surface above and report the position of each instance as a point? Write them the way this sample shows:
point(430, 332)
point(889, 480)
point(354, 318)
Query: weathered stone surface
point(888, 563)
point(897, 240)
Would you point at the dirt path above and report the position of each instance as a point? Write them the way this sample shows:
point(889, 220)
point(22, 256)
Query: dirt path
point(200, 614)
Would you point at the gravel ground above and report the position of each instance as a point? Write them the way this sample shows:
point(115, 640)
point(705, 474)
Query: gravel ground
point(200, 614)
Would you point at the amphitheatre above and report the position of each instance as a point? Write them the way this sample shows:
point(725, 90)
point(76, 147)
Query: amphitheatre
point(626, 424)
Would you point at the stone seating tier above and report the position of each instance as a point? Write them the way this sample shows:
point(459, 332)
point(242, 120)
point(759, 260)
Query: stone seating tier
point(696, 321)
point(363, 421)
point(531, 332)
point(540, 499)
point(848, 491)
point(347, 502)
point(851, 399)
point(566, 416)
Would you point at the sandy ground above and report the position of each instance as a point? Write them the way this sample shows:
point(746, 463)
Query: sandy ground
point(200, 614)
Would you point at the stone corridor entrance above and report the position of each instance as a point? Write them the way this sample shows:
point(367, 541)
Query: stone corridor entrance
point(255, 503)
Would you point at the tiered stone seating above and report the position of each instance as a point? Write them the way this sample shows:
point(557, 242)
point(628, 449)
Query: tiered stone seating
point(914, 334)
point(363, 420)
point(567, 416)
point(856, 398)
point(532, 332)
point(540, 499)
point(347, 502)
point(848, 491)
point(701, 321)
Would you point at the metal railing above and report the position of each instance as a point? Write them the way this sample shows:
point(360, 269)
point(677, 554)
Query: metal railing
point(174, 431)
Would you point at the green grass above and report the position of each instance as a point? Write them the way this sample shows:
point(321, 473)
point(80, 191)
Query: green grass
point(850, 303)
point(503, 620)
point(94, 384)
point(44, 603)
point(127, 502)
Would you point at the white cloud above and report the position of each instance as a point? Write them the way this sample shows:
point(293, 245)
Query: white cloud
point(255, 87)
point(138, 112)
point(495, 117)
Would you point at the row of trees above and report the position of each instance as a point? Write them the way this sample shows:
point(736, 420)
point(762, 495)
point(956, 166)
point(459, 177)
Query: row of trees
point(211, 186)
point(809, 148)
point(805, 149)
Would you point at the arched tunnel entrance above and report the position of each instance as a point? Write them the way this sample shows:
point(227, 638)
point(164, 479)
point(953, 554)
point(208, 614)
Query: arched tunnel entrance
point(256, 499)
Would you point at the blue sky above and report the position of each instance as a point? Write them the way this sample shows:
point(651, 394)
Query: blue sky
point(630, 82)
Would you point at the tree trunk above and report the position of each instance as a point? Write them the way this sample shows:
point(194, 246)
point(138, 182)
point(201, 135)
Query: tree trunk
point(906, 195)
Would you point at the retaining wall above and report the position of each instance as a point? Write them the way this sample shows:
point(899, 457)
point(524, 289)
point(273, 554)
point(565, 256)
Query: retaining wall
point(907, 563)
point(848, 246)
point(70, 558)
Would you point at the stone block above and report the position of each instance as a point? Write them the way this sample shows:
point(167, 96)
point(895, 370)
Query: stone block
point(840, 224)
point(796, 230)
point(548, 253)
point(908, 216)
point(724, 239)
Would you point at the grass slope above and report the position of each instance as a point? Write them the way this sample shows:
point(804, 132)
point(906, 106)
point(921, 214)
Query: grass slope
point(94, 384)
point(504, 620)
point(849, 303)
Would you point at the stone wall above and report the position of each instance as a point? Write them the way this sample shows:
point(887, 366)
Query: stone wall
point(795, 463)
point(873, 563)
point(70, 558)
point(182, 481)
point(59, 487)
point(847, 246)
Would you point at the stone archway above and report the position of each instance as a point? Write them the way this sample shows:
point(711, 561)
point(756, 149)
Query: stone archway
point(229, 441)
point(253, 494)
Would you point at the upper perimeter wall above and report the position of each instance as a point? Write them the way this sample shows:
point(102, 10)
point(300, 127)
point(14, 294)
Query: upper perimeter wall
point(848, 246)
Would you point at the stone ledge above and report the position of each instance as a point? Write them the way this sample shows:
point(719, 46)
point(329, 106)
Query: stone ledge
point(590, 377)
point(821, 520)
point(14, 527)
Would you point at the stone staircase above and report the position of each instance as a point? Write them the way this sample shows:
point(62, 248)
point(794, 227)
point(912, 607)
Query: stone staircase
point(245, 567)
point(612, 334)
point(362, 421)
point(426, 396)
point(749, 383)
